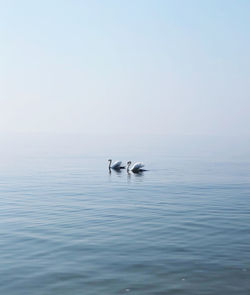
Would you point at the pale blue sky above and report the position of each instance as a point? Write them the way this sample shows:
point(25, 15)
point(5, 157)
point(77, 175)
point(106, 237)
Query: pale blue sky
point(157, 67)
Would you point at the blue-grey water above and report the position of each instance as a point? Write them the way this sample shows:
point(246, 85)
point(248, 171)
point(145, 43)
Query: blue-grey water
point(68, 226)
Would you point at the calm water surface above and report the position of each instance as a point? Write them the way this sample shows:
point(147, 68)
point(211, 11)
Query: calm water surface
point(70, 227)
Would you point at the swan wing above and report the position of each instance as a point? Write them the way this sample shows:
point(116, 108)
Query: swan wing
point(117, 164)
point(137, 166)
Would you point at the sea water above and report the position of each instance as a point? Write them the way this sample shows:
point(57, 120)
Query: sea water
point(69, 226)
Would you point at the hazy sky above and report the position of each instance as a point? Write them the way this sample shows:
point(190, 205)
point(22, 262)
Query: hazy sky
point(157, 67)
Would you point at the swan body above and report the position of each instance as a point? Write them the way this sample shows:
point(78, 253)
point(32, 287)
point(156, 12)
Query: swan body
point(117, 165)
point(137, 167)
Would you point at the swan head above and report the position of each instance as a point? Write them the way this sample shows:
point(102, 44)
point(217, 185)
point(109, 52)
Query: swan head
point(129, 163)
point(109, 160)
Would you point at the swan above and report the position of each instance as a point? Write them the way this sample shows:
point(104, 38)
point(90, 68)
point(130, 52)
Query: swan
point(136, 168)
point(116, 165)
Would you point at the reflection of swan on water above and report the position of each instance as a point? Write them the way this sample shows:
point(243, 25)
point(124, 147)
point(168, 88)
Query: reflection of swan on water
point(117, 172)
point(117, 165)
point(136, 168)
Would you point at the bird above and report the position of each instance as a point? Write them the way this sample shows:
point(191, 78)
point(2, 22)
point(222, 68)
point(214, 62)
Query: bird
point(117, 165)
point(136, 168)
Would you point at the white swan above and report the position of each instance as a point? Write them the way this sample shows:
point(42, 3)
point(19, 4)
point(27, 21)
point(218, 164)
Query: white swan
point(117, 165)
point(136, 168)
